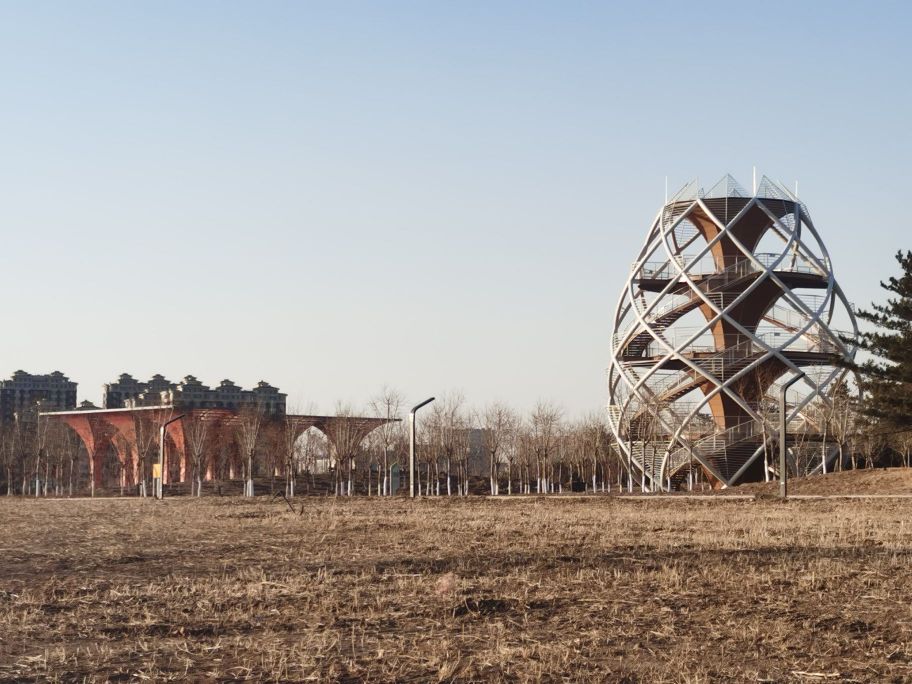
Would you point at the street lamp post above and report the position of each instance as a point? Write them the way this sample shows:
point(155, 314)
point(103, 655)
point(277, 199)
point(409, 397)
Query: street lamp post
point(783, 474)
point(159, 489)
point(412, 444)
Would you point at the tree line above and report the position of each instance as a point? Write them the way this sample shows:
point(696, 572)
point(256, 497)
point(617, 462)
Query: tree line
point(494, 450)
point(461, 450)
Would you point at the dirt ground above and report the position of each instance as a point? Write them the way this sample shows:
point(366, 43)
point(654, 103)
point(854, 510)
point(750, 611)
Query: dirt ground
point(587, 589)
point(879, 481)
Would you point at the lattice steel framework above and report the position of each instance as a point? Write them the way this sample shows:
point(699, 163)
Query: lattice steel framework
point(731, 295)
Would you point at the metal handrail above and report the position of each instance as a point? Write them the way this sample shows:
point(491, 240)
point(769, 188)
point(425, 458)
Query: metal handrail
point(813, 340)
point(707, 266)
point(719, 441)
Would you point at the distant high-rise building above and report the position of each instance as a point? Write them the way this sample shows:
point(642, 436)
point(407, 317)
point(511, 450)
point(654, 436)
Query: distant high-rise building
point(126, 387)
point(25, 393)
point(190, 393)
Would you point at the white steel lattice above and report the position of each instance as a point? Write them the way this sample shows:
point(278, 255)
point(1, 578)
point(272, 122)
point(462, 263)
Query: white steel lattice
point(731, 295)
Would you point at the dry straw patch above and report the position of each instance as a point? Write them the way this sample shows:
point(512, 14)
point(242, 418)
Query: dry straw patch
point(458, 590)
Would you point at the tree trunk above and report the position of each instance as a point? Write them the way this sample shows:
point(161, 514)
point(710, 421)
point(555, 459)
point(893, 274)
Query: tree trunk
point(823, 454)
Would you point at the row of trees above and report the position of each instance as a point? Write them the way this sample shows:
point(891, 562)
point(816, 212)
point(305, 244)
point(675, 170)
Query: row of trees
point(44, 458)
point(495, 449)
point(540, 451)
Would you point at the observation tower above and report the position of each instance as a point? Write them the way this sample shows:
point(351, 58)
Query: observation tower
point(732, 294)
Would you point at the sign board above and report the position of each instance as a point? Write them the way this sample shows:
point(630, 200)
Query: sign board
point(394, 478)
point(156, 470)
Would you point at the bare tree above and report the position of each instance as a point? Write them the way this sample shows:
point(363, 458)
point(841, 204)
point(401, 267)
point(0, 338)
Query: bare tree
point(448, 427)
point(509, 448)
point(873, 441)
point(525, 446)
point(594, 440)
point(7, 455)
point(288, 444)
point(146, 428)
point(841, 419)
point(345, 439)
point(312, 446)
point(902, 444)
point(70, 446)
point(247, 432)
point(56, 455)
point(497, 422)
point(40, 444)
point(25, 448)
point(123, 446)
point(545, 428)
point(197, 429)
point(387, 405)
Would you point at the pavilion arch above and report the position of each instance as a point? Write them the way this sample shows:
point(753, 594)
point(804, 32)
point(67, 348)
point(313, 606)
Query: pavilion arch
point(127, 432)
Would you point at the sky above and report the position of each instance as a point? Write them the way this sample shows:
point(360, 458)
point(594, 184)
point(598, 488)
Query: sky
point(435, 197)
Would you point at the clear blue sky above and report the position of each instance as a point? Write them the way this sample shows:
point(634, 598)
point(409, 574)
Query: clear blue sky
point(333, 196)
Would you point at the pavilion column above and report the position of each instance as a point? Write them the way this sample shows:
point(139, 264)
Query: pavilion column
point(96, 476)
point(90, 434)
point(176, 432)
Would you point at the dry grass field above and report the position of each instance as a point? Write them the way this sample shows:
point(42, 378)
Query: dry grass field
point(587, 589)
point(873, 482)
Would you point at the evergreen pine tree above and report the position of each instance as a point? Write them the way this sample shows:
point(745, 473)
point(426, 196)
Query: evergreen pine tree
point(888, 376)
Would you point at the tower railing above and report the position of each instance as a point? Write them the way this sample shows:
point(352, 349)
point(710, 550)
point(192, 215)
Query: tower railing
point(706, 267)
